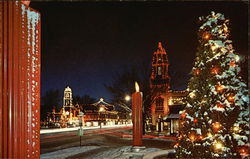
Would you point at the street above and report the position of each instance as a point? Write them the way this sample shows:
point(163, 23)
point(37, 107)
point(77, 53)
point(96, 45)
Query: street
point(106, 138)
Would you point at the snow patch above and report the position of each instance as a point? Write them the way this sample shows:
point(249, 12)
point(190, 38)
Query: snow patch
point(64, 153)
point(115, 153)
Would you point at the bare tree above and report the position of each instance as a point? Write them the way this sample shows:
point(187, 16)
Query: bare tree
point(50, 100)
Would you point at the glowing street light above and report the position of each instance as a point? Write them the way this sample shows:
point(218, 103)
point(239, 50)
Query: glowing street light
point(127, 98)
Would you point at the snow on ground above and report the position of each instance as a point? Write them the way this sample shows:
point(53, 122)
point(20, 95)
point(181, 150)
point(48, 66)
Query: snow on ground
point(45, 131)
point(64, 153)
point(121, 153)
point(115, 153)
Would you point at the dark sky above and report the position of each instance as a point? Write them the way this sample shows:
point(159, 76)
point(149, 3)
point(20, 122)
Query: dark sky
point(85, 43)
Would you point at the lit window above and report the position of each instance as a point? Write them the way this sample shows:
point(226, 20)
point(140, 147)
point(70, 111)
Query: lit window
point(159, 71)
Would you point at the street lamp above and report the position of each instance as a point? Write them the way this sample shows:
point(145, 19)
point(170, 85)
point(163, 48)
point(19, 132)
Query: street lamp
point(80, 118)
point(80, 130)
point(127, 98)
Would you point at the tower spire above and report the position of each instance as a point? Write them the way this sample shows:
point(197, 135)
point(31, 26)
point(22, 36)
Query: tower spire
point(159, 45)
point(160, 83)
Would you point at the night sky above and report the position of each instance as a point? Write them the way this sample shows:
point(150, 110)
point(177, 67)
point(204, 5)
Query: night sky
point(85, 43)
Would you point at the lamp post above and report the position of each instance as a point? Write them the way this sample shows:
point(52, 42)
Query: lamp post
point(80, 130)
point(127, 99)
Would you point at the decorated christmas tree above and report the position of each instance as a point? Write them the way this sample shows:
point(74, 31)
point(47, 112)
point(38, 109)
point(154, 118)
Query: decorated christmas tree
point(214, 123)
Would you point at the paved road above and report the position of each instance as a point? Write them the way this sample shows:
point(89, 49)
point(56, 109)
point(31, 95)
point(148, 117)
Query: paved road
point(108, 137)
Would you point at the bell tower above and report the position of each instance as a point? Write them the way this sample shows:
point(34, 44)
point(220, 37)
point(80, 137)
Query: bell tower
point(159, 75)
point(68, 107)
point(67, 99)
point(159, 84)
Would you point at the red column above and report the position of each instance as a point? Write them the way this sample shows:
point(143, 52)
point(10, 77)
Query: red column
point(19, 81)
point(137, 118)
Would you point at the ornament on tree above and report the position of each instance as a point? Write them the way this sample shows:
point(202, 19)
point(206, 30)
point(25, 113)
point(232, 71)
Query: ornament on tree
point(204, 100)
point(182, 122)
point(216, 126)
point(243, 150)
point(219, 88)
point(230, 98)
point(213, 47)
point(236, 129)
point(177, 144)
point(218, 145)
point(209, 134)
point(237, 58)
point(183, 115)
point(195, 120)
point(200, 137)
point(197, 71)
point(225, 29)
point(232, 64)
point(206, 35)
point(192, 137)
point(219, 105)
point(192, 95)
point(215, 70)
point(180, 137)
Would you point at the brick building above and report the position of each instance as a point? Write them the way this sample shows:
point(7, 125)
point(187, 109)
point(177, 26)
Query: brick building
point(165, 98)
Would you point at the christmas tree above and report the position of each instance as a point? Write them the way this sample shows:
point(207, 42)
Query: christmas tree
point(214, 123)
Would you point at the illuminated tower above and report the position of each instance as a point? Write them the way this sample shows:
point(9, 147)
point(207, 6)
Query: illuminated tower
point(67, 99)
point(67, 102)
point(159, 84)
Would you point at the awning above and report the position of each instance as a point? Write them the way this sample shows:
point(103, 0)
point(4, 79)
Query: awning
point(171, 116)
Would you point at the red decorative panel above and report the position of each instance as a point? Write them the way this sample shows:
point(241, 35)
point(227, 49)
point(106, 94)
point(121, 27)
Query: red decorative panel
point(19, 81)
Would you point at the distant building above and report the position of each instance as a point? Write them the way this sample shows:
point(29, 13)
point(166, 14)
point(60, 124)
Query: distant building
point(96, 114)
point(68, 115)
point(103, 113)
point(165, 99)
point(69, 112)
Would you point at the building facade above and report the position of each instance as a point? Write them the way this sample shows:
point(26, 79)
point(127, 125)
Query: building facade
point(164, 98)
point(69, 112)
point(103, 113)
point(159, 84)
point(68, 115)
point(95, 114)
